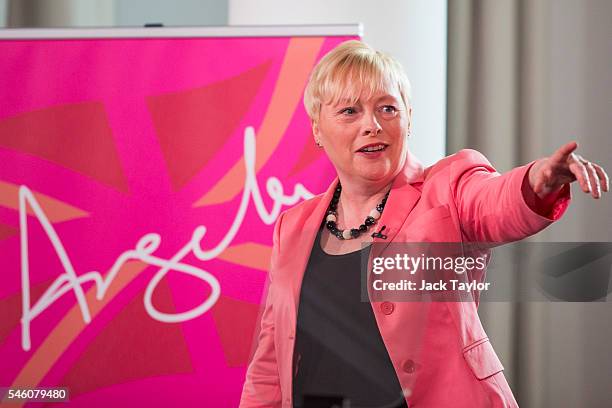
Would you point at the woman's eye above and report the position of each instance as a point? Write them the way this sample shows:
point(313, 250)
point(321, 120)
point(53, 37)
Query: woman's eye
point(348, 111)
point(389, 109)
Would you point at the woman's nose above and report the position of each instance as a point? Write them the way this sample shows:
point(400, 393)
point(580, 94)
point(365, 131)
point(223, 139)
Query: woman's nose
point(371, 126)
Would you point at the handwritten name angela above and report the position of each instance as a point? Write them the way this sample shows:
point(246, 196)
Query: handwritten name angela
point(144, 251)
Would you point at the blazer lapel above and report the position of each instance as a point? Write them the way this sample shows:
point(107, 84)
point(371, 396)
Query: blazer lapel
point(402, 199)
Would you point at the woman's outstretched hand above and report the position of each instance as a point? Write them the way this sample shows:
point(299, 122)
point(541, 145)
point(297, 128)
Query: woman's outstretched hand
point(549, 174)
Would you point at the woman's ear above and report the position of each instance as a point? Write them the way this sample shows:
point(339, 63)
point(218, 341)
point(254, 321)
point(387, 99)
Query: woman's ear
point(409, 120)
point(315, 133)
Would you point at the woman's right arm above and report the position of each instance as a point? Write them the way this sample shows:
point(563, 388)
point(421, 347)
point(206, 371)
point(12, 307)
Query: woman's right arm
point(262, 384)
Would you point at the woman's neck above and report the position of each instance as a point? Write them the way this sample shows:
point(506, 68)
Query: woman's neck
point(356, 202)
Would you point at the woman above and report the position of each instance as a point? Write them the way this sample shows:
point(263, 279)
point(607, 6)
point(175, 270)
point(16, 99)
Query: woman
point(317, 337)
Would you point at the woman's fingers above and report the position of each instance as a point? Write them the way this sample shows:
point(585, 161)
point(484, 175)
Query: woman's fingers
point(563, 153)
point(593, 180)
point(603, 177)
point(580, 172)
point(591, 177)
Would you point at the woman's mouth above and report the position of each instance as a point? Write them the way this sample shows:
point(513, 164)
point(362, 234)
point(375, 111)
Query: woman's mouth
point(373, 151)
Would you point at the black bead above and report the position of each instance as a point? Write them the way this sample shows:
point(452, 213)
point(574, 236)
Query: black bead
point(354, 232)
point(363, 228)
point(331, 224)
point(338, 233)
point(369, 221)
point(380, 208)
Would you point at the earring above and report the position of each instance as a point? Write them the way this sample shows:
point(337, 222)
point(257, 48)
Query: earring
point(318, 143)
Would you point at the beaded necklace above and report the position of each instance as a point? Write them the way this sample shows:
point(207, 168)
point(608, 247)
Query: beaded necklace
point(332, 216)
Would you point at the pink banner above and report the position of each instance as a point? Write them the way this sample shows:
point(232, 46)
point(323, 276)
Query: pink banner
point(139, 183)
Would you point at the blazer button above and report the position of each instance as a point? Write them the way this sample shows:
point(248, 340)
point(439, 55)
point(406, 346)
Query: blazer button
point(387, 307)
point(409, 366)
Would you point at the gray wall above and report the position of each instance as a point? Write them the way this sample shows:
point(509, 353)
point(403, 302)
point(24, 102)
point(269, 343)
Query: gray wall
point(60, 13)
point(108, 13)
point(3, 6)
point(178, 12)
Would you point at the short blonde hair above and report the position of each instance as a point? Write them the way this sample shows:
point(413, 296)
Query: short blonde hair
point(349, 70)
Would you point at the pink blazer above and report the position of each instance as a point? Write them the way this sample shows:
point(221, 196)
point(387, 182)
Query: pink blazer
point(439, 350)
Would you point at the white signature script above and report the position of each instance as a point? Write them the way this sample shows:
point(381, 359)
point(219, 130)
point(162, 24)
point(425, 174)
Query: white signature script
point(143, 251)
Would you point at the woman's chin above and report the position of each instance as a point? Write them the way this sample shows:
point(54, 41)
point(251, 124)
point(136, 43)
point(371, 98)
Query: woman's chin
point(375, 173)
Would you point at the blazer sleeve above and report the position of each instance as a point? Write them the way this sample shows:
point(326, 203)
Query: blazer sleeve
point(492, 206)
point(262, 384)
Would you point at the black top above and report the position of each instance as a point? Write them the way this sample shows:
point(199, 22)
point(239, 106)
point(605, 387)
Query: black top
point(338, 348)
